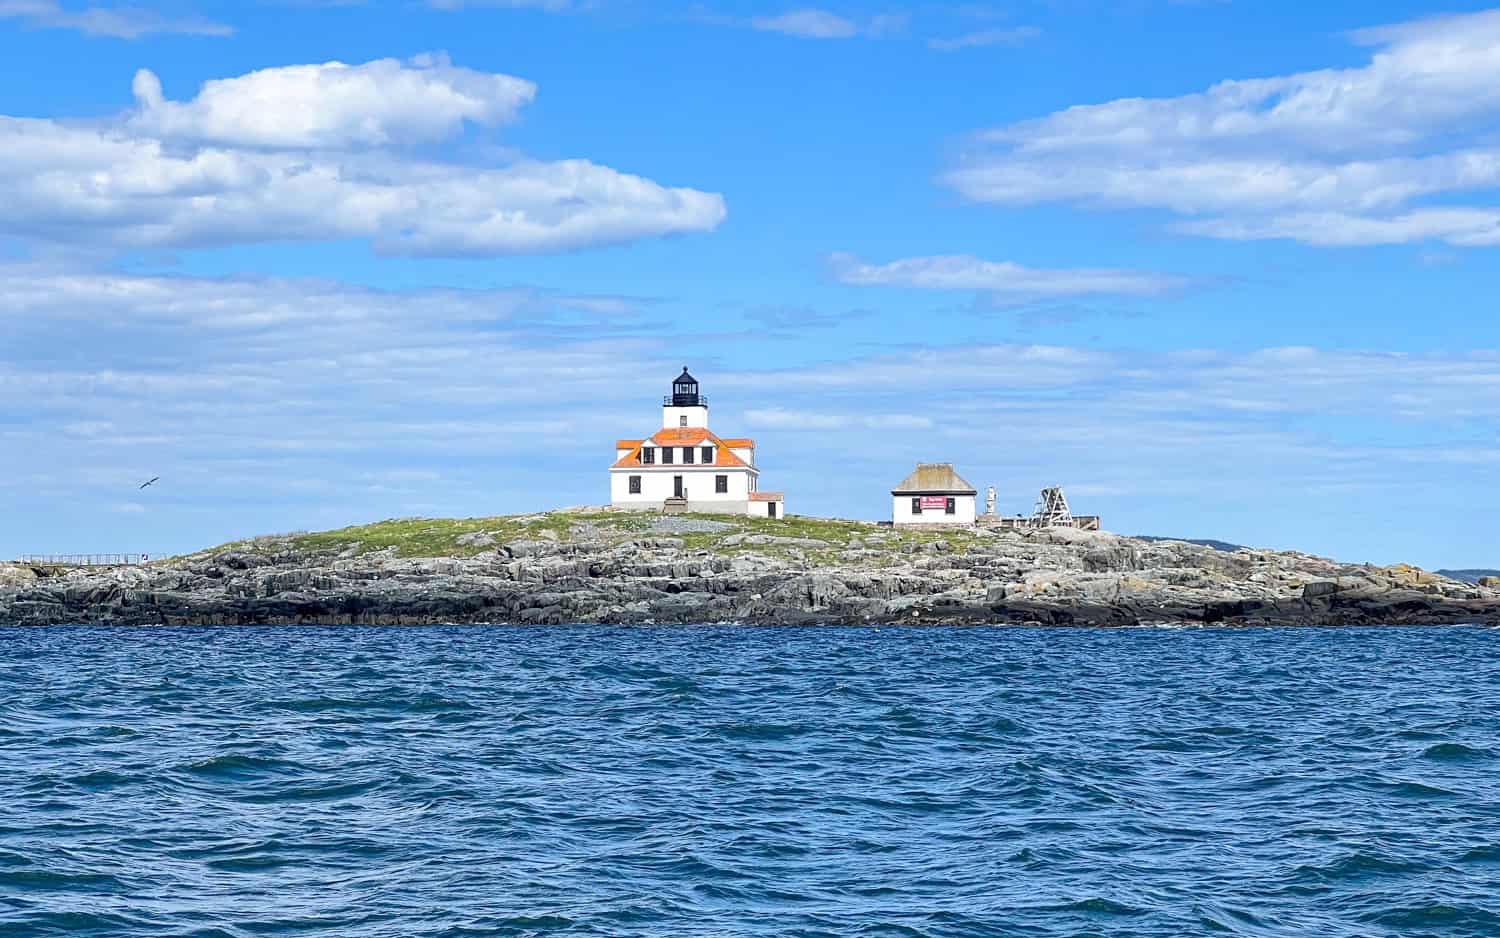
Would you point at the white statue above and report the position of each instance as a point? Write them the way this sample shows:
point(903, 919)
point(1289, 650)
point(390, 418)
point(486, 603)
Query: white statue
point(989, 501)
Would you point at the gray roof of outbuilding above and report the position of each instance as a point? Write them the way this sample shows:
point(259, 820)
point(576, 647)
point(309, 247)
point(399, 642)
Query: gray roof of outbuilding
point(934, 477)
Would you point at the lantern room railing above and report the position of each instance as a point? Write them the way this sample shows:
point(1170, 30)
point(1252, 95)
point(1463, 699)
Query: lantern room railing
point(685, 400)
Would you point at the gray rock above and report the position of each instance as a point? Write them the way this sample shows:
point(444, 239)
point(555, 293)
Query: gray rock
point(596, 573)
point(1319, 589)
point(529, 548)
point(16, 575)
point(1114, 558)
point(771, 540)
point(676, 524)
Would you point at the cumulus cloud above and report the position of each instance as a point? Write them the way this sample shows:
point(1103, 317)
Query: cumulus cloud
point(119, 22)
point(1336, 156)
point(1001, 278)
point(252, 159)
point(332, 105)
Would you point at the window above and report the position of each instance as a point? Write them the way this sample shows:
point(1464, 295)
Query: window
point(635, 485)
point(708, 455)
point(721, 484)
point(687, 455)
point(648, 455)
point(916, 505)
point(952, 507)
point(666, 455)
point(682, 421)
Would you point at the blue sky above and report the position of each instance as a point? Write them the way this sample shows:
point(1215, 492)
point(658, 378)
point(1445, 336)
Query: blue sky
point(1222, 269)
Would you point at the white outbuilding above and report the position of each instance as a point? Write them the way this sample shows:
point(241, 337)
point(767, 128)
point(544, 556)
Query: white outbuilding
point(684, 466)
point(933, 494)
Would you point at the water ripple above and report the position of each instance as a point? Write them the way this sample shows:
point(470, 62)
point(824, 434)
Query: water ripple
point(716, 781)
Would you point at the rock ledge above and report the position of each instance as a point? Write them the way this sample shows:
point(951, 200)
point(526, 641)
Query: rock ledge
point(597, 566)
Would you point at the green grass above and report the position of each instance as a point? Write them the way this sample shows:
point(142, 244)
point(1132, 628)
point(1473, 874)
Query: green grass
point(438, 537)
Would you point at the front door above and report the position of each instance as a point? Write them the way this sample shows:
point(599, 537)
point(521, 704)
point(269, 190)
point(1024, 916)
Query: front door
point(770, 509)
point(677, 486)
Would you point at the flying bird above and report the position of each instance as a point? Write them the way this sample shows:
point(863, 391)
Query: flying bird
point(152, 481)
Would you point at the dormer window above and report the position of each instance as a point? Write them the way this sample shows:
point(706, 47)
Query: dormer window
point(648, 455)
point(687, 455)
point(708, 455)
point(666, 455)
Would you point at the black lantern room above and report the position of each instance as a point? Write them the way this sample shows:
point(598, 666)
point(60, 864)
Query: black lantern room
point(685, 391)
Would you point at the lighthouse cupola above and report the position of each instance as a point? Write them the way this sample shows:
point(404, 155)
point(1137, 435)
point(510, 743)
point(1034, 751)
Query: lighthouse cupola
point(685, 406)
point(685, 390)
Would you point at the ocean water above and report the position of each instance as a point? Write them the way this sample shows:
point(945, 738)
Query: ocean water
point(741, 781)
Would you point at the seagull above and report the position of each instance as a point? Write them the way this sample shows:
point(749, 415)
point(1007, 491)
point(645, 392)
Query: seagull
point(151, 482)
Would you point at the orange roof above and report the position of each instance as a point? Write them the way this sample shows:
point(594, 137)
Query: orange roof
point(627, 444)
point(740, 443)
point(766, 497)
point(690, 436)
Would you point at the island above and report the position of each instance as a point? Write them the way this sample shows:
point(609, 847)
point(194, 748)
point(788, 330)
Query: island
point(599, 566)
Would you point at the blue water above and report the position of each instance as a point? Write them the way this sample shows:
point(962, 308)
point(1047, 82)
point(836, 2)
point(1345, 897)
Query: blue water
point(734, 781)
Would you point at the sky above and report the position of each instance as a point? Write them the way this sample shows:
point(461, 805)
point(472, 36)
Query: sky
point(1220, 269)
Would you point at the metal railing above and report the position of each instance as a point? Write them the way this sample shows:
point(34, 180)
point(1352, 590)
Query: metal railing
point(86, 560)
point(685, 400)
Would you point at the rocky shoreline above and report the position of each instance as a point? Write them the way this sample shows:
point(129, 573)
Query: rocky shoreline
point(597, 566)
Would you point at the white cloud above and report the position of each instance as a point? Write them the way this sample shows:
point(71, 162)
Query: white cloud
point(1337, 156)
point(251, 160)
point(119, 22)
point(1002, 278)
point(1023, 366)
point(332, 105)
point(815, 23)
point(780, 418)
point(215, 305)
point(807, 24)
point(1463, 227)
point(984, 38)
point(274, 403)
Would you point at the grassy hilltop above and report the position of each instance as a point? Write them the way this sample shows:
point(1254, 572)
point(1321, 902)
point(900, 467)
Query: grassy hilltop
point(464, 537)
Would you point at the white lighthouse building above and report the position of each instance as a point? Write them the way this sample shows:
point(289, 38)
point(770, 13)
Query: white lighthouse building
point(684, 466)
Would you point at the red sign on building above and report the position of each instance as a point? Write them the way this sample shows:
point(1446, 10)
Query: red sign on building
point(934, 502)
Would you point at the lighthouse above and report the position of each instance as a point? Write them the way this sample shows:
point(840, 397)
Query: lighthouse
point(685, 466)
